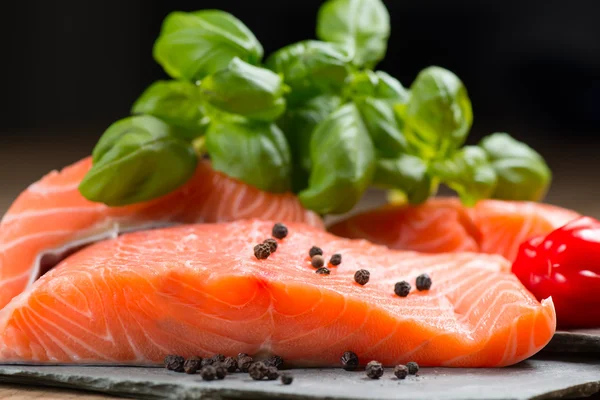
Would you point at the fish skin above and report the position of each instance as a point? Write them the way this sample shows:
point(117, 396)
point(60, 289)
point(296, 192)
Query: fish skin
point(443, 224)
point(51, 215)
point(199, 290)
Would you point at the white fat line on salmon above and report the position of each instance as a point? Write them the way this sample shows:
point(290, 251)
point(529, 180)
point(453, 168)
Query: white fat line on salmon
point(43, 188)
point(47, 259)
point(50, 211)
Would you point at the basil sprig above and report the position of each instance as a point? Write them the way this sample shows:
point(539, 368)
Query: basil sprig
point(315, 118)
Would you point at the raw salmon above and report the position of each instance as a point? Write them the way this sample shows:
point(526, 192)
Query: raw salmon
point(51, 218)
point(445, 225)
point(199, 290)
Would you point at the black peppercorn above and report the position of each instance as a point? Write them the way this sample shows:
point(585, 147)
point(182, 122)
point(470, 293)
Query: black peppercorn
point(218, 358)
point(315, 251)
point(317, 261)
point(323, 271)
point(349, 361)
point(335, 259)
point(423, 282)
point(279, 231)
point(257, 370)
point(244, 363)
point(230, 364)
point(287, 379)
point(374, 370)
point(413, 367)
point(174, 363)
point(262, 251)
point(402, 289)
point(272, 373)
point(272, 244)
point(274, 361)
point(241, 355)
point(192, 365)
point(208, 373)
point(220, 370)
point(206, 362)
point(362, 276)
point(401, 371)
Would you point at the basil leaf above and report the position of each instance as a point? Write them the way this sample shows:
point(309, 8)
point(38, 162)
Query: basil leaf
point(177, 103)
point(522, 172)
point(469, 173)
point(137, 159)
point(438, 114)
point(246, 90)
point(363, 26)
point(311, 68)
point(379, 85)
point(298, 125)
point(193, 45)
point(382, 126)
point(343, 162)
point(406, 173)
point(251, 151)
point(390, 88)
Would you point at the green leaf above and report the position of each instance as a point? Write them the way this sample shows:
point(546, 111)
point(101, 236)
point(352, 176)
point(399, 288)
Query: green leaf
point(522, 172)
point(177, 103)
point(469, 173)
point(375, 94)
point(381, 123)
point(363, 26)
point(137, 159)
point(193, 45)
point(390, 88)
point(246, 90)
point(251, 151)
point(438, 114)
point(298, 125)
point(311, 68)
point(343, 162)
point(406, 173)
point(377, 84)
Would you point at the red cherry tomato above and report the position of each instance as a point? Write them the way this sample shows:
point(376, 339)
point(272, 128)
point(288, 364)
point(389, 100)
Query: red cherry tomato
point(565, 264)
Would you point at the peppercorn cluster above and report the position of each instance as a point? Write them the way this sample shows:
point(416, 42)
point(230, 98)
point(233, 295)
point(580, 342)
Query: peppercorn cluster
point(263, 250)
point(374, 369)
point(317, 260)
point(218, 366)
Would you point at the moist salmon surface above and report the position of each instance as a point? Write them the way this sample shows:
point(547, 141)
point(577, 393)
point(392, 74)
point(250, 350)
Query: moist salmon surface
point(445, 225)
point(199, 290)
point(52, 217)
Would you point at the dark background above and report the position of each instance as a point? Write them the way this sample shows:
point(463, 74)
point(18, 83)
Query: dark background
point(532, 68)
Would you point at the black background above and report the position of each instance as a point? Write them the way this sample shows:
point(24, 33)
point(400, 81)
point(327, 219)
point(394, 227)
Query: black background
point(71, 67)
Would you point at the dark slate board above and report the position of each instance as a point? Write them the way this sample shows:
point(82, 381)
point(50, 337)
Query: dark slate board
point(538, 378)
point(575, 341)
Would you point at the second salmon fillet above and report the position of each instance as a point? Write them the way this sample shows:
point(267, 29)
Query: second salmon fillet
point(200, 290)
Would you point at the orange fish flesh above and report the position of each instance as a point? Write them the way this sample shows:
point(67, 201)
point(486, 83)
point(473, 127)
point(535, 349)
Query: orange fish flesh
point(51, 218)
point(199, 290)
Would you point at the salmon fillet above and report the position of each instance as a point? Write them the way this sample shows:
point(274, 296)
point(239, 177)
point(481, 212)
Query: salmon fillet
point(445, 225)
point(199, 290)
point(51, 218)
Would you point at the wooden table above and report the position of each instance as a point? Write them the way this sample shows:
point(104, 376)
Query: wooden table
point(17, 392)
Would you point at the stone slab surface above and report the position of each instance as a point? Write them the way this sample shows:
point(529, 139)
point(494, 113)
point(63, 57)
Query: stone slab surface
point(575, 341)
point(543, 377)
